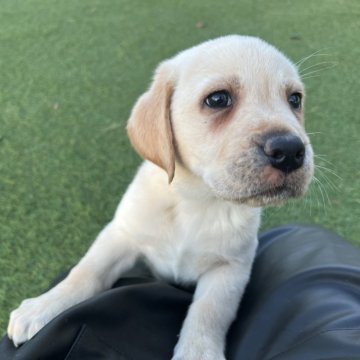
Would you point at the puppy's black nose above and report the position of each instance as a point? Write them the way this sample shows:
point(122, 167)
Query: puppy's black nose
point(285, 152)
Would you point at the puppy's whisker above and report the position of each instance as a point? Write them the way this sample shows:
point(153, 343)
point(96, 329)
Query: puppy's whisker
point(316, 194)
point(329, 182)
point(306, 58)
point(323, 192)
point(332, 172)
point(324, 172)
point(309, 77)
point(314, 133)
point(313, 72)
point(327, 63)
point(307, 202)
point(316, 72)
point(323, 158)
point(327, 200)
point(321, 155)
point(314, 198)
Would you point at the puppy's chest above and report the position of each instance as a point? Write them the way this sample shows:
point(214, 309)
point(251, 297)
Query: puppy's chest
point(193, 244)
point(179, 257)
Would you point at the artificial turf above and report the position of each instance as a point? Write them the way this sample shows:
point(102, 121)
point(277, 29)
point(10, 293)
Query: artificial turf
point(70, 71)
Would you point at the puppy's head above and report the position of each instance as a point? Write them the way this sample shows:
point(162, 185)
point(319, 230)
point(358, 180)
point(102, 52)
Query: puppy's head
point(230, 111)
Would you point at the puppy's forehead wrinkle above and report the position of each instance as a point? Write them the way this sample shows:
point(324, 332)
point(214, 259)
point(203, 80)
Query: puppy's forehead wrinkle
point(246, 56)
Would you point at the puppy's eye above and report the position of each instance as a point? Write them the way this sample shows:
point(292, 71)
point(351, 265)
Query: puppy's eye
point(219, 100)
point(295, 101)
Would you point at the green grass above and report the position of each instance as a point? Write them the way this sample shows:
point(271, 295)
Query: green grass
point(69, 73)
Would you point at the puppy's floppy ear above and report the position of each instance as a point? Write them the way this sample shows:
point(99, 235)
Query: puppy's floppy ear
point(149, 126)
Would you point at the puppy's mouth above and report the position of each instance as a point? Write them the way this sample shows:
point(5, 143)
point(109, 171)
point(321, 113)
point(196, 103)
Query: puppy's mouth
point(275, 195)
point(265, 193)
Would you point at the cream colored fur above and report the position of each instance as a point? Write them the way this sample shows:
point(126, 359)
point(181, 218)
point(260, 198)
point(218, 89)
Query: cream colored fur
point(193, 216)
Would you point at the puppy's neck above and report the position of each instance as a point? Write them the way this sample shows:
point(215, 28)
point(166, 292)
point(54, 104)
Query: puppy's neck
point(190, 188)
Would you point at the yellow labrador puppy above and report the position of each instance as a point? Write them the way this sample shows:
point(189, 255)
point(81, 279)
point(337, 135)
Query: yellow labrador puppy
point(222, 131)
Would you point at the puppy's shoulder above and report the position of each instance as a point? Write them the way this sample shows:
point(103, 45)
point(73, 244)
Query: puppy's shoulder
point(151, 176)
point(148, 194)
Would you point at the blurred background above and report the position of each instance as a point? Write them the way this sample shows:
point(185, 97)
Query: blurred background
point(70, 72)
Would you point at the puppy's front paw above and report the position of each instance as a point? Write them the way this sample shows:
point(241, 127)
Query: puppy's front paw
point(31, 316)
point(197, 349)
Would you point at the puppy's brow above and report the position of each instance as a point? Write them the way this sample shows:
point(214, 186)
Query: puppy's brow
point(294, 87)
point(216, 83)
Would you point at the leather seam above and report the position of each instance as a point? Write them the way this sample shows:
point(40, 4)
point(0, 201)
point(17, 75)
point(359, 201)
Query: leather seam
point(310, 338)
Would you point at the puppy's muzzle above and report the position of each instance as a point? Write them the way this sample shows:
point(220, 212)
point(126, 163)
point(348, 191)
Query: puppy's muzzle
point(285, 152)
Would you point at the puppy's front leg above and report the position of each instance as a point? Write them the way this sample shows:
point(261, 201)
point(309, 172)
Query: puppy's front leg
point(111, 254)
point(213, 309)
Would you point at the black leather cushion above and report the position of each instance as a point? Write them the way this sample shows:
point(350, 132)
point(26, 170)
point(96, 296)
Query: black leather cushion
point(303, 300)
point(302, 303)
